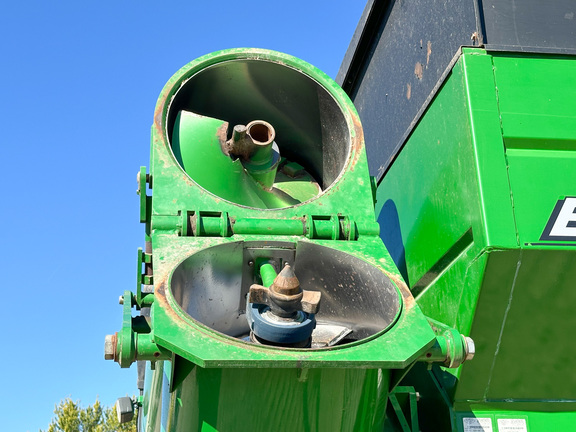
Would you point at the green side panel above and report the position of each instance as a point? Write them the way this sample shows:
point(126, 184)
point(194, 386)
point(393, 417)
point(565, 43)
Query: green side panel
point(434, 180)
point(538, 308)
point(523, 309)
point(497, 216)
point(446, 300)
point(279, 399)
point(539, 130)
point(493, 155)
point(495, 287)
point(539, 178)
point(537, 97)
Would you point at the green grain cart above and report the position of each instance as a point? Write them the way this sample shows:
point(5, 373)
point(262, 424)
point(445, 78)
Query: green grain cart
point(306, 271)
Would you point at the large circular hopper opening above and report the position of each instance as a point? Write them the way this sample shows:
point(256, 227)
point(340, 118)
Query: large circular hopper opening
point(358, 299)
point(310, 126)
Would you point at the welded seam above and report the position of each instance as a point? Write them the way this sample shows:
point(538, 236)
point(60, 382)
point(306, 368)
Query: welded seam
point(471, 117)
point(504, 148)
point(508, 307)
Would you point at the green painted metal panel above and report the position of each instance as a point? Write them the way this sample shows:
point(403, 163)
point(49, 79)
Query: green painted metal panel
point(539, 311)
point(244, 400)
point(539, 131)
point(468, 230)
point(539, 178)
point(494, 294)
point(494, 188)
point(536, 97)
point(430, 180)
point(452, 298)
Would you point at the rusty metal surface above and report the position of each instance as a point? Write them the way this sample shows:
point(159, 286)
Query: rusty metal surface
point(285, 296)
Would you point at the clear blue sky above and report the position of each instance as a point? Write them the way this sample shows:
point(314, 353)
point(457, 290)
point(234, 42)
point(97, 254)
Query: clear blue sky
point(79, 82)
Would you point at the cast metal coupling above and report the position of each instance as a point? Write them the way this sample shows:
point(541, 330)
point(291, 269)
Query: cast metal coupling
point(254, 145)
point(281, 313)
point(285, 297)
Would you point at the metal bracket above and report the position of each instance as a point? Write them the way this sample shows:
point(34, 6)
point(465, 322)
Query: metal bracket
point(132, 342)
point(142, 298)
point(413, 397)
point(142, 178)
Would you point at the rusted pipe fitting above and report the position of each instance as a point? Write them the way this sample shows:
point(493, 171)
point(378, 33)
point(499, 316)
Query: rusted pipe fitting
point(254, 145)
point(262, 135)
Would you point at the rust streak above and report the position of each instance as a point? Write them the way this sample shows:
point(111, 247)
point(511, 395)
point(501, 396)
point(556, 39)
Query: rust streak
point(357, 140)
point(222, 135)
point(418, 70)
point(407, 297)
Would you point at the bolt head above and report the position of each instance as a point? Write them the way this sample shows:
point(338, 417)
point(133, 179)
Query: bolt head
point(109, 347)
point(470, 348)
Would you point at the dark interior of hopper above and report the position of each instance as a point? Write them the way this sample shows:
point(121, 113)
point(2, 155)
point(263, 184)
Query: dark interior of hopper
point(310, 126)
point(211, 285)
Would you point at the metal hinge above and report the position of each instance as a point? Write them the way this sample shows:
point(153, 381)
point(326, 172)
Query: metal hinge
point(221, 224)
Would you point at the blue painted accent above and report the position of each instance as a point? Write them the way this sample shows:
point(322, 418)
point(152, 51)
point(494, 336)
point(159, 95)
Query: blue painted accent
point(278, 333)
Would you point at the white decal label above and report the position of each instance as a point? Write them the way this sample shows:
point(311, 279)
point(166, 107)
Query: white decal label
point(561, 225)
point(477, 424)
point(512, 425)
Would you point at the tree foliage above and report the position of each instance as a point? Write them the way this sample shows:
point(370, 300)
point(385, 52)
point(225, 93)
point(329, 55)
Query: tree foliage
point(69, 416)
